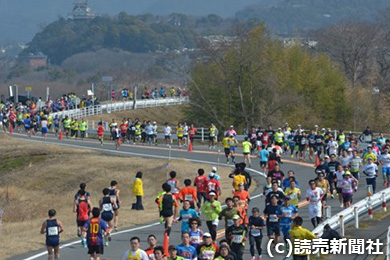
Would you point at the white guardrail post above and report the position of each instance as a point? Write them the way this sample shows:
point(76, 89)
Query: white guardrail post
point(342, 230)
point(356, 215)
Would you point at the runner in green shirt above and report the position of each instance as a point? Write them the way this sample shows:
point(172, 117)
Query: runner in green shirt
point(83, 128)
point(211, 209)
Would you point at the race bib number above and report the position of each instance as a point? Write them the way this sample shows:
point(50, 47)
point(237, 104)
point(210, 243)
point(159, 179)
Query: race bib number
point(52, 231)
point(230, 222)
point(237, 239)
point(293, 195)
point(195, 239)
point(209, 255)
point(273, 218)
point(107, 207)
point(255, 232)
point(186, 217)
point(188, 197)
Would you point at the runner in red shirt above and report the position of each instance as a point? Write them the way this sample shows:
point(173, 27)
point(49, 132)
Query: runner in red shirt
point(82, 207)
point(123, 127)
point(213, 185)
point(100, 132)
point(200, 183)
point(191, 133)
point(152, 241)
point(265, 139)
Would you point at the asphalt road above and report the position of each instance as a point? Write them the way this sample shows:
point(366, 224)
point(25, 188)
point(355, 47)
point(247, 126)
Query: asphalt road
point(120, 240)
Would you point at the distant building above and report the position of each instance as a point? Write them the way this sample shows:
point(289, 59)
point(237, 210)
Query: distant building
point(36, 61)
point(81, 11)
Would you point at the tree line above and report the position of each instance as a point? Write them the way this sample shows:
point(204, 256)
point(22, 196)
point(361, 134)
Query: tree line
point(254, 80)
point(139, 34)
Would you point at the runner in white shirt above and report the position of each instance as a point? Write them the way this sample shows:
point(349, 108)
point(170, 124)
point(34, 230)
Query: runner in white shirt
point(332, 146)
point(313, 196)
point(167, 134)
point(345, 158)
point(385, 161)
point(371, 170)
point(154, 126)
point(338, 180)
point(185, 134)
point(135, 252)
point(44, 128)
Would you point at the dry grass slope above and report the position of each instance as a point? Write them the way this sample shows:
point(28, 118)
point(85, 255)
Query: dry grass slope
point(36, 177)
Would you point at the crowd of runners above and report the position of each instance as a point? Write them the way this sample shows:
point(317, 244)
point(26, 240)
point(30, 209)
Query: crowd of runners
point(341, 159)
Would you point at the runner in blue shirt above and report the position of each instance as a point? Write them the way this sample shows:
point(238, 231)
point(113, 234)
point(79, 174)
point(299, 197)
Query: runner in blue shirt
point(185, 214)
point(94, 229)
point(185, 250)
point(27, 125)
point(286, 213)
point(263, 155)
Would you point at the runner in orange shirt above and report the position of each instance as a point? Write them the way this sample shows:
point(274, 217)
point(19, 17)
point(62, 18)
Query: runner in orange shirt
point(188, 193)
point(243, 195)
point(241, 210)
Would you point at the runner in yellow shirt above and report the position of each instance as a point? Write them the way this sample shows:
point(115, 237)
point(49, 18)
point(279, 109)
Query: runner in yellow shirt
point(226, 147)
point(180, 134)
point(294, 193)
point(246, 150)
point(298, 232)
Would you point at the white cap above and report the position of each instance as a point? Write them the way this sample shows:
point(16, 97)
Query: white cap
point(211, 174)
point(212, 193)
point(154, 122)
point(231, 126)
point(207, 234)
point(326, 156)
point(349, 149)
point(214, 169)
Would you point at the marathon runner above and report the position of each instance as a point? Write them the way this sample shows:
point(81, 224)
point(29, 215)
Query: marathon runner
point(186, 250)
point(152, 241)
point(256, 228)
point(52, 227)
point(212, 136)
point(107, 206)
point(314, 196)
point(114, 194)
point(82, 208)
point(135, 253)
point(93, 230)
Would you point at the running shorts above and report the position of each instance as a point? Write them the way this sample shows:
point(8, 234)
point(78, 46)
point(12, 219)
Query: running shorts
point(95, 249)
point(107, 216)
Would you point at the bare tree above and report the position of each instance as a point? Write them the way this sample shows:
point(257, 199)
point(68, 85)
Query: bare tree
point(352, 45)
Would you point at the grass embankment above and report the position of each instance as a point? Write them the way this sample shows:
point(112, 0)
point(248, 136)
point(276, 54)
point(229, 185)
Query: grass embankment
point(35, 177)
point(170, 114)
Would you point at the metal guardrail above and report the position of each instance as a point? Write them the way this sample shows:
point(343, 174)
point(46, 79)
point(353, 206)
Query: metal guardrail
point(353, 212)
point(120, 106)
